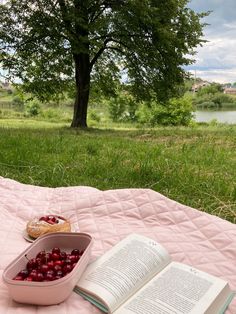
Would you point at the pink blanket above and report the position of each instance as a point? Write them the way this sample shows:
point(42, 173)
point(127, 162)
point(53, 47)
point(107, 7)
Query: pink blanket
point(190, 236)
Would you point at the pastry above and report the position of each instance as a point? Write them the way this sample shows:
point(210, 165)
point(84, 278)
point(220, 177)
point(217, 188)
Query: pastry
point(47, 224)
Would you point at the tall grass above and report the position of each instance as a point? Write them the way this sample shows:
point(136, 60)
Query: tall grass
point(195, 166)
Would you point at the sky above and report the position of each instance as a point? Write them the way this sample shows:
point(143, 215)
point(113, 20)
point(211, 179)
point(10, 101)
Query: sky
point(216, 60)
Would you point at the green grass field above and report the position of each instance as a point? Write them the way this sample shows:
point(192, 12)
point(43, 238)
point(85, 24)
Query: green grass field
point(195, 166)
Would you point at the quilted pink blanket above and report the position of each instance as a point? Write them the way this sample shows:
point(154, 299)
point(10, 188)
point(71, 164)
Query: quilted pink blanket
point(190, 236)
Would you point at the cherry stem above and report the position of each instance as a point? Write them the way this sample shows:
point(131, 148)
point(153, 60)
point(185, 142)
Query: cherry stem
point(26, 257)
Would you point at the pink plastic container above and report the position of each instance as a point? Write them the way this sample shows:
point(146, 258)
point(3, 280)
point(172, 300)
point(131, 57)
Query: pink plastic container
point(51, 292)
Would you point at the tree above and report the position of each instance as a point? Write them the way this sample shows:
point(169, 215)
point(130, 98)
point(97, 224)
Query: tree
point(47, 43)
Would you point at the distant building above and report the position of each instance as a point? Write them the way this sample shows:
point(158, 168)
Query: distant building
point(230, 91)
point(199, 85)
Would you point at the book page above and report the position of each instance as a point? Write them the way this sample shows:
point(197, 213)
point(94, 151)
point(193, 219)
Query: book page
point(178, 289)
point(123, 270)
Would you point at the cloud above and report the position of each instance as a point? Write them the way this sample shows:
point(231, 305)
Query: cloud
point(216, 60)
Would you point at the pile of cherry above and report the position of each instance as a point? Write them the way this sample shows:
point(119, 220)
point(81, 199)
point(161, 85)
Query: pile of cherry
point(48, 266)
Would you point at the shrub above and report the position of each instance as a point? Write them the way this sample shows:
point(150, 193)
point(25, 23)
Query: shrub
point(18, 101)
point(177, 111)
point(208, 105)
point(122, 108)
point(32, 108)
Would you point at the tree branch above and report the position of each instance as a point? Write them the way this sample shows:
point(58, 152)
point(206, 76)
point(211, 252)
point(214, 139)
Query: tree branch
point(65, 17)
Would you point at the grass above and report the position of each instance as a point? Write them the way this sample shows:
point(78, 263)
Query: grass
point(195, 166)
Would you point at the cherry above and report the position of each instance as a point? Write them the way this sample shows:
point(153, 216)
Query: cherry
point(59, 273)
point(52, 218)
point(18, 277)
point(44, 218)
point(41, 255)
point(34, 274)
point(32, 263)
point(51, 272)
point(50, 275)
point(63, 255)
point(44, 268)
point(68, 261)
point(59, 262)
point(50, 264)
point(67, 268)
point(40, 277)
point(39, 261)
point(56, 250)
point(57, 277)
point(28, 279)
point(55, 256)
point(75, 252)
point(73, 258)
point(57, 267)
point(48, 257)
point(23, 273)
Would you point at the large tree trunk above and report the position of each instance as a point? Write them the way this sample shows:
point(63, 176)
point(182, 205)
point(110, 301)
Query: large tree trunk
point(82, 78)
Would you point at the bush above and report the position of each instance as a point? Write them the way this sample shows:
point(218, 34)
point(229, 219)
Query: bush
point(122, 108)
point(208, 105)
point(214, 101)
point(17, 101)
point(177, 111)
point(32, 108)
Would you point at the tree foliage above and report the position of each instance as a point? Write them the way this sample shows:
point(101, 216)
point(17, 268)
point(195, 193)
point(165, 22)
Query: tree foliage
point(56, 45)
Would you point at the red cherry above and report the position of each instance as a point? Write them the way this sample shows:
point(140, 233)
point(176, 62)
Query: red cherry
point(44, 268)
point(59, 262)
point(40, 277)
point(34, 274)
point(50, 264)
point(50, 222)
point(28, 279)
point(59, 273)
point(56, 250)
point(55, 256)
point(17, 277)
point(39, 262)
point(23, 273)
point(48, 257)
point(67, 268)
point(63, 255)
point(57, 277)
point(52, 218)
point(68, 261)
point(32, 263)
point(75, 252)
point(51, 272)
point(41, 255)
point(49, 275)
point(57, 268)
point(73, 266)
point(73, 258)
point(44, 218)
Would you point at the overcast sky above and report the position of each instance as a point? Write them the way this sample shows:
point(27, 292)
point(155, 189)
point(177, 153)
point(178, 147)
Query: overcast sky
point(216, 60)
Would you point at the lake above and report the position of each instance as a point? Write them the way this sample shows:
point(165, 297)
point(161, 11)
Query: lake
point(221, 116)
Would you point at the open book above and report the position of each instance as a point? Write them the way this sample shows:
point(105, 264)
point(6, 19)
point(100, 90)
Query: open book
point(137, 276)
